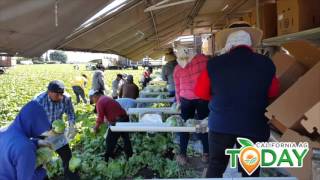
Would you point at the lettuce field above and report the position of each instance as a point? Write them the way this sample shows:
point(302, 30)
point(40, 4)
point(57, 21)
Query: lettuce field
point(153, 153)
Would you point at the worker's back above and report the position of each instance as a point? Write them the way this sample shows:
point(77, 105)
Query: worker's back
point(240, 83)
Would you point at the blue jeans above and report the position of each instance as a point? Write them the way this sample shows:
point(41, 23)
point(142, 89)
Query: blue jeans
point(79, 92)
point(218, 161)
point(188, 111)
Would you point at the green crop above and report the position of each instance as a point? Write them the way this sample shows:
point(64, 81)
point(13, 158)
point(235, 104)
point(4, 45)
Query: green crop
point(74, 163)
point(58, 126)
point(44, 155)
point(22, 83)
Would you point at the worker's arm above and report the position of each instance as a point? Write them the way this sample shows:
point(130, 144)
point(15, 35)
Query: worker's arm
point(164, 73)
point(101, 82)
point(121, 91)
point(203, 86)
point(100, 115)
point(85, 81)
point(69, 110)
point(177, 84)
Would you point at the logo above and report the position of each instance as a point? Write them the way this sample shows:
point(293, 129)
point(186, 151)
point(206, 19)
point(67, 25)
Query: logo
point(267, 155)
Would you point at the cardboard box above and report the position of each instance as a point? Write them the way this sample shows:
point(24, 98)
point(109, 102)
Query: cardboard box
point(297, 15)
point(291, 106)
point(311, 120)
point(207, 48)
point(278, 125)
point(240, 17)
point(267, 18)
point(288, 70)
point(304, 51)
point(304, 173)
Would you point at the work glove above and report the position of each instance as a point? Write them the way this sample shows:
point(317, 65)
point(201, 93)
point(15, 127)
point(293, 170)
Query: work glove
point(202, 127)
point(44, 143)
point(71, 133)
point(174, 106)
point(178, 106)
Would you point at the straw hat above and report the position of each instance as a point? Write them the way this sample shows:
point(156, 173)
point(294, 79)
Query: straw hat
point(221, 36)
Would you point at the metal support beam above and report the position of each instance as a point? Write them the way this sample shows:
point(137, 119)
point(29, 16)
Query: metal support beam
point(169, 23)
point(232, 10)
point(162, 4)
point(257, 14)
point(137, 47)
point(155, 27)
point(97, 24)
point(121, 39)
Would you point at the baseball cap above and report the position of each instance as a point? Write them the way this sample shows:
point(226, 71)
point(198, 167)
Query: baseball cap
point(56, 86)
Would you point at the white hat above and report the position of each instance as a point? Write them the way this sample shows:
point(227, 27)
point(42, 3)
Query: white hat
point(222, 36)
point(237, 38)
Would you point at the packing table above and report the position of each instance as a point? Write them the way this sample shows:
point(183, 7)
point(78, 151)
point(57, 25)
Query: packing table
point(166, 110)
point(147, 93)
point(154, 100)
point(148, 127)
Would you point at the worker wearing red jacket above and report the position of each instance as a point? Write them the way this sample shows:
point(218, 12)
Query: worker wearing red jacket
point(238, 84)
point(185, 74)
point(110, 111)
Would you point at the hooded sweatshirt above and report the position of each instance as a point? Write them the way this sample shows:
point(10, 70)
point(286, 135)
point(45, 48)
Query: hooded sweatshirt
point(17, 151)
point(167, 74)
point(98, 81)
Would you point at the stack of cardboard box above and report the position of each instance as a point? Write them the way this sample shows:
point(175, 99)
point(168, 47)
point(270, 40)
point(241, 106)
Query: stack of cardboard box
point(267, 18)
point(297, 15)
point(296, 112)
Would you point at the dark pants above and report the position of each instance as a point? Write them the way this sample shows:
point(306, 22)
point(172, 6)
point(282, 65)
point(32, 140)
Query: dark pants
point(111, 142)
point(188, 109)
point(145, 82)
point(172, 93)
point(218, 161)
point(79, 92)
point(65, 155)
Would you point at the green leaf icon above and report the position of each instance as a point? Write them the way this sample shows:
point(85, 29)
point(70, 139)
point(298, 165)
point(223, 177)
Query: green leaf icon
point(244, 142)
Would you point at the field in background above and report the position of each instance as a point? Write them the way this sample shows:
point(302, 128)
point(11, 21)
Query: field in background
point(153, 153)
point(21, 83)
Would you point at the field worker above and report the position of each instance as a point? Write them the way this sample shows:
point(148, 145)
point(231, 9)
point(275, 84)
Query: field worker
point(17, 150)
point(110, 110)
point(129, 89)
point(98, 80)
point(185, 74)
point(56, 102)
point(238, 84)
point(78, 85)
point(116, 85)
point(146, 77)
point(167, 71)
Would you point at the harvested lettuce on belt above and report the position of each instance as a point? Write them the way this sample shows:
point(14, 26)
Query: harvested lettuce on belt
point(174, 120)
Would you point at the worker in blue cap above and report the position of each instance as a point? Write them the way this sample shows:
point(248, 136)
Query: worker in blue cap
point(56, 102)
point(17, 150)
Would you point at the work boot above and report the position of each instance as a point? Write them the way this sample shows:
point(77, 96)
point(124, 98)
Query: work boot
point(181, 159)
